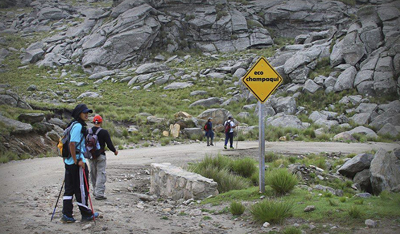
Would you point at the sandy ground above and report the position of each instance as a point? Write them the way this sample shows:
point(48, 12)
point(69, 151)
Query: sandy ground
point(29, 189)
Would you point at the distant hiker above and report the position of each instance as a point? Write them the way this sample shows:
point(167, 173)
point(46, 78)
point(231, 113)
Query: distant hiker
point(98, 161)
point(209, 132)
point(74, 166)
point(229, 125)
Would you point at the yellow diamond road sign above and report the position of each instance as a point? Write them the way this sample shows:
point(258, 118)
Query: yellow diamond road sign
point(262, 79)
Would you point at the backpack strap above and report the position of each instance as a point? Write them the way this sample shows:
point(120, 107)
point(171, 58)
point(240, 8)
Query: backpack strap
point(79, 144)
point(98, 130)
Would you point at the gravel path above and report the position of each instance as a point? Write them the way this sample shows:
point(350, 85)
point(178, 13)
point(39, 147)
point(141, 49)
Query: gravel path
point(29, 188)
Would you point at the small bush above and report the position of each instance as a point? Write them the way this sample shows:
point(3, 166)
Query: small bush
point(281, 180)
point(165, 141)
point(237, 208)
point(292, 159)
point(270, 156)
point(271, 211)
point(354, 212)
point(226, 181)
point(244, 167)
point(255, 178)
point(219, 162)
point(279, 162)
point(342, 199)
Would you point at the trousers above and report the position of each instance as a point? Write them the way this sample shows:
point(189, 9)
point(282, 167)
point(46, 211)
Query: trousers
point(75, 185)
point(229, 136)
point(98, 175)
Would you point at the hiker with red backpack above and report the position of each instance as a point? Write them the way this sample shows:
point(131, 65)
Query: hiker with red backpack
point(98, 157)
point(76, 170)
point(209, 132)
point(229, 125)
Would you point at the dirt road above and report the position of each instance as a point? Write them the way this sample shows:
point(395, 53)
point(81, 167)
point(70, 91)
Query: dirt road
point(28, 190)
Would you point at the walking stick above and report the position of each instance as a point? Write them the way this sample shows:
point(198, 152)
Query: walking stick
point(237, 137)
point(54, 211)
point(87, 187)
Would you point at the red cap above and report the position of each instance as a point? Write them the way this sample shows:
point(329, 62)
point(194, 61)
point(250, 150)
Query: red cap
point(97, 119)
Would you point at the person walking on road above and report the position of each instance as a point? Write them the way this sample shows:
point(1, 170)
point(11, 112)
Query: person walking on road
point(209, 131)
point(74, 165)
point(98, 164)
point(229, 125)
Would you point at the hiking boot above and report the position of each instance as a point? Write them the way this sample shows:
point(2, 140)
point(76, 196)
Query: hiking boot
point(100, 198)
point(66, 219)
point(225, 147)
point(212, 144)
point(231, 147)
point(208, 145)
point(89, 218)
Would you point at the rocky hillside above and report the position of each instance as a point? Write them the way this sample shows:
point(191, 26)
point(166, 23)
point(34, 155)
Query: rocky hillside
point(138, 44)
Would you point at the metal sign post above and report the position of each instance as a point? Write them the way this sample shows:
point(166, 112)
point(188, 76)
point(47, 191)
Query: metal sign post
point(261, 137)
point(262, 80)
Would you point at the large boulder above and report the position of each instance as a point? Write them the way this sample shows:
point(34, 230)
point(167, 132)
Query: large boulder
point(286, 105)
point(207, 102)
point(218, 115)
point(357, 164)
point(385, 171)
point(15, 126)
point(285, 121)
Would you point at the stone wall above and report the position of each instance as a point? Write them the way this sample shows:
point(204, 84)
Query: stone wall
point(175, 183)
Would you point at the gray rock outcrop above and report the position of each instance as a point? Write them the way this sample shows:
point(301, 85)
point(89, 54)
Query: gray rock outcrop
point(172, 182)
point(357, 164)
point(385, 171)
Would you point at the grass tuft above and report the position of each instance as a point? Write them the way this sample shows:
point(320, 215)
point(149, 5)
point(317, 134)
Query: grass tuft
point(237, 208)
point(271, 211)
point(281, 180)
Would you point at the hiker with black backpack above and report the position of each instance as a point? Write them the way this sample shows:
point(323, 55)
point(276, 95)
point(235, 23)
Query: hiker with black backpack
point(209, 132)
point(98, 156)
point(75, 168)
point(229, 125)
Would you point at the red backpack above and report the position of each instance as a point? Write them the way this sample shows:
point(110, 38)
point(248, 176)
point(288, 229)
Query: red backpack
point(227, 126)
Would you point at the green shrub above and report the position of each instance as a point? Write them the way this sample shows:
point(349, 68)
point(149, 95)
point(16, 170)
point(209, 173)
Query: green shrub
point(281, 180)
point(270, 156)
point(354, 212)
point(219, 162)
point(255, 177)
point(271, 211)
point(244, 167)
point(237, 208)
point(226, 181)
point(292, 159)
point(165, 141)
point(342, 199)
point(279, 162)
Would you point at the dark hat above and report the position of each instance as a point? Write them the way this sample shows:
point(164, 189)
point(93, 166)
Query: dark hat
point(80, 108)
point(230, 117)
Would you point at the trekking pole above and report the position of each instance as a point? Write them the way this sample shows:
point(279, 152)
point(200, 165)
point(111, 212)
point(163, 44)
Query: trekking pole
point(237, 137)
point(54, 211)
point(87, 187)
